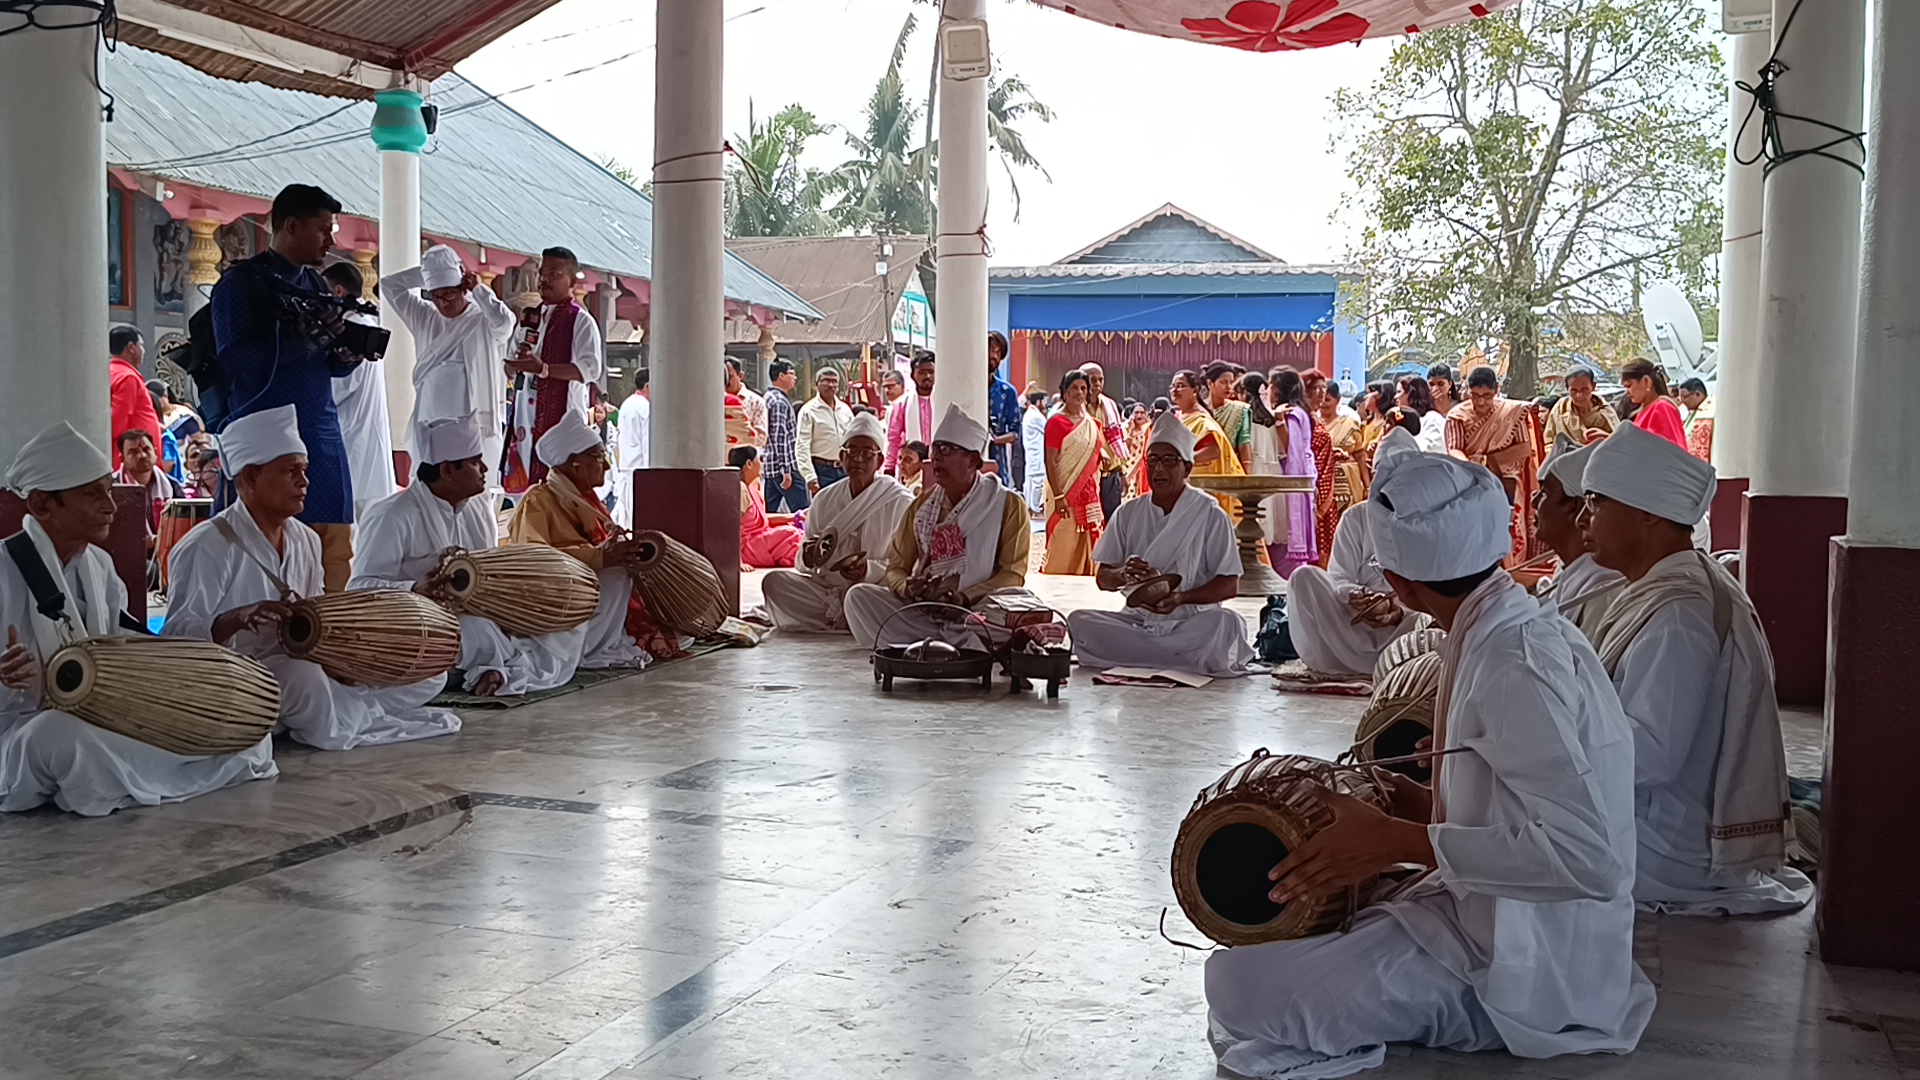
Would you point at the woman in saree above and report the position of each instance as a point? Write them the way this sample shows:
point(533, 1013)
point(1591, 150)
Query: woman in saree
point(1288, 392)
point(1139, 426)
point(766, 540)
point(1495, 431)
point(1326, 512)
point(1074, 448)
point(1212, 448)
point(1266, 447)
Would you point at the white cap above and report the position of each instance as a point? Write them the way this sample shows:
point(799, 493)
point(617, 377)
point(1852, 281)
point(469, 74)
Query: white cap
point(868, 425)
point(440, 267)
point(1568, 464)
point(1393, 444)
point(1169, 431)
point(1436, 518)
point(258, 438)
point(57, 459)
point(962, 430)
point(1649, 473)
point(450, 440)
point(563, 440)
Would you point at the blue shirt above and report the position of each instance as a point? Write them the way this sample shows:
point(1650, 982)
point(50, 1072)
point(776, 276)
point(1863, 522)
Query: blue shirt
point(270, 361)
point(1003, 418)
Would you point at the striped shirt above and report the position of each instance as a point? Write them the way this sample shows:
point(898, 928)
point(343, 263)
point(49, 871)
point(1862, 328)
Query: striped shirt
point(779, 461)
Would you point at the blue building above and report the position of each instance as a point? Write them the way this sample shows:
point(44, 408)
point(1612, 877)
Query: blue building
point(1167, 292)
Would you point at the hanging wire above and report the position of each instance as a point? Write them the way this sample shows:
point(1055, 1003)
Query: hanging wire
point(19, 16)
point(1766, 101)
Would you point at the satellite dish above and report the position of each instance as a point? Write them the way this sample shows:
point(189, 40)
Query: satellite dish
point(1675, 332)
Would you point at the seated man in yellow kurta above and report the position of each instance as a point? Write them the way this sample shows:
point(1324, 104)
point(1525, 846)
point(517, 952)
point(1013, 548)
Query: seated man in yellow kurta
point(563, 512)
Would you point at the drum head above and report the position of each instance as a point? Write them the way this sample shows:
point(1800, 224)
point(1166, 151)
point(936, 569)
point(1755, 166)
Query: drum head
point(301, 630)
point(1231, 873)
point(1399, 739)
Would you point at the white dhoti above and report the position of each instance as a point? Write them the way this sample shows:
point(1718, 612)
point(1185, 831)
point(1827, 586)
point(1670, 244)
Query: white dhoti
point(320, 712)
point(1210, 641)
point(1327, 1006)
point(607, 643)
point(870, 607)
point(805, 603)
point(528, 665)
point(1324, 633)
point(83, 769)
point(1669, 885)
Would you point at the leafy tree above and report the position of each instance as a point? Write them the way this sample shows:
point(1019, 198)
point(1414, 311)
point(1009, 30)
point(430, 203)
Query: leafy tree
point(769, 193)
point(1536, 165)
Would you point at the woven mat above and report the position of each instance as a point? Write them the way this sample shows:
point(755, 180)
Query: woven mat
point(1296, 677)
point(583, 680)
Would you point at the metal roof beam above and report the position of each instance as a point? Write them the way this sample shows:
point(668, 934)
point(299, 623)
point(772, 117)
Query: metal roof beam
point(260, 46)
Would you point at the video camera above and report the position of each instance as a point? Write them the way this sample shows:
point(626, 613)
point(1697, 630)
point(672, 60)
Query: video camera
point(328, 321)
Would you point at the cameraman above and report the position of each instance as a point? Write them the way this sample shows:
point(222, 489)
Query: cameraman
point(276, 326)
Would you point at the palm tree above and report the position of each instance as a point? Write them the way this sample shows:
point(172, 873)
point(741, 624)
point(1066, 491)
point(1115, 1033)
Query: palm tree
point(1009, 101)
point(769, 193)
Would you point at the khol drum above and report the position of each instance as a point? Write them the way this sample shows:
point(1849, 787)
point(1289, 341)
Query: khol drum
point(211, 699)
point(529, 590)
point(679, 586)
point(374, 638)
point(1244, 825)
point(177, 519)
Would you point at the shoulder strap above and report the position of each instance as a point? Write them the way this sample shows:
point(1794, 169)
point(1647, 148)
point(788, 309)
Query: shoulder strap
point(47, 595)
point(226, 530)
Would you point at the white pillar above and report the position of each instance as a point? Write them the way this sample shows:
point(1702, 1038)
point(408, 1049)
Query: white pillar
point(399, 250)
point(53, 239)
point(1883, 506)
point(687, 338)
point(1810, 261)
point(1737, 393)
point(960, 248)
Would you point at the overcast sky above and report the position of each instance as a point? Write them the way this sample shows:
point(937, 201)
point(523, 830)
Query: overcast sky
point(1242, 140)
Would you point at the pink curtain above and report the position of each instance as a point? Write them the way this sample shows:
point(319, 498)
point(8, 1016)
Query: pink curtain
point(1139, 365)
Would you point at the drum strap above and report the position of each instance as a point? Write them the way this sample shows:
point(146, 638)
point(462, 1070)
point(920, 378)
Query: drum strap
point(47, 596)
point(226, 529)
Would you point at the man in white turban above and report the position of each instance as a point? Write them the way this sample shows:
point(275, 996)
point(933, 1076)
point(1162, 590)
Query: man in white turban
point(51, 756)
point(1343, 617)
point(1583, 590)
point(1180, 530)
point(1521, 934)
point(1686, 652)
point(234, 578)
point(460, 335)
point(403, 538)
point(861, 513)
point(962, 539)
point(563, 511)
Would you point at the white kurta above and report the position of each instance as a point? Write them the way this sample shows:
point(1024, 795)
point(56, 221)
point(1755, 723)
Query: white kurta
point(400, 544)
point(51, 756)
point(459, 367)
point(1318, 614)
point(361, 400)
point(1266, 462)
point(212, 575)
point(636, 415)
point(816, 603)
point(1581, 592)
point(1523, 935)
point(1033, 443)
point(1196, 541)
point(1433, 432)
point(1673, 682)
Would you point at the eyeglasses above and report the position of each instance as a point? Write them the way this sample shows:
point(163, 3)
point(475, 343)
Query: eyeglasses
point(947, 449)
point(1165, 461)
point(858, 455)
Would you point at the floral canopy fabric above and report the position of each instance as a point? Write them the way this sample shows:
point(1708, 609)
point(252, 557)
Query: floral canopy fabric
point(1277, 25)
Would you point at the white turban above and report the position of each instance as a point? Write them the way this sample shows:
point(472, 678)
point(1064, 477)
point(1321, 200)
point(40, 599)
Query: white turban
point(57, 459)
point(1649, 473)
point(1568, 464)
point(258, 438)
point(563, 440)
point(1392, 445)
point(1436, 518)
point(440, 267)
point(869, 426)
point(962, 430)
point(1169, 431)
point(451, 439)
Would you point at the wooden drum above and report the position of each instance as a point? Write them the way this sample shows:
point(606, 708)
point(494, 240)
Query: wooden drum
point(177, 518)
point(1241, 827)
point(373, 638)
point(679, 586)
point(530, 590)
point(185, 697)
point(1406, 685)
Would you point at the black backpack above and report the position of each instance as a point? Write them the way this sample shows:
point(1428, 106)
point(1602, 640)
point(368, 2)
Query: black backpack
point(1273, 644)
point(200, 359)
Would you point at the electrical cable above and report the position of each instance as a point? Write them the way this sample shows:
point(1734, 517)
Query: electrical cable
point(19, 16)
point(1766, 101)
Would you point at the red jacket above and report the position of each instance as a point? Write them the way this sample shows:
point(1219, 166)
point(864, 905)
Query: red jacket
point(132, 405)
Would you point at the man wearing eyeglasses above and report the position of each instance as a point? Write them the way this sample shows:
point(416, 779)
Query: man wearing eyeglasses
point(861, 512)
point(1179, 530)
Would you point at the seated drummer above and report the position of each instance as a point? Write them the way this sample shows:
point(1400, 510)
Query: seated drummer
point(962, 539)
point(863, 512)
point(233, 579)
point(400, 540)
point(562, 511)
point(1521, 934)
point(1176, 529)
point(50, 756)
point(1342, 618)
point(1583, 590)
point(1691, 663)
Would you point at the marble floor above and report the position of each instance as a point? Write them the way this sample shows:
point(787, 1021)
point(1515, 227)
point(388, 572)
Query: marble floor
point(755, 864)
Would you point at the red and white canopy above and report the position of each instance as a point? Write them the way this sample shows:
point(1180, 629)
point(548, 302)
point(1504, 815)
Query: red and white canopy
point(1276, 25)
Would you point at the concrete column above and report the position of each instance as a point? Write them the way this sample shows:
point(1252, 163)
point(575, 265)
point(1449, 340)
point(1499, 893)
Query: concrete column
point(689, 314)
point(400, 133)
point(1870, 807)
point(1737, 395)
point(53, 238)
point(961, 247)
point(1810, 275)
point(203, 263)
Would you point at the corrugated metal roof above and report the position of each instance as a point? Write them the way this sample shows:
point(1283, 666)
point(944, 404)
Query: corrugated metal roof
point(1114, 271)
point(491, 176)
point(835, 274)
point(1166, 244)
